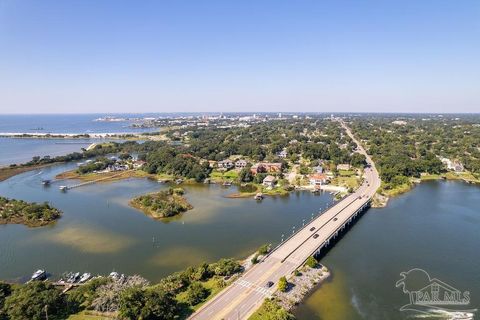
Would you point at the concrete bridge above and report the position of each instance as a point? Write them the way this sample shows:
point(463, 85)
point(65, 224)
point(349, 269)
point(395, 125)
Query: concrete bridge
point(244, 296)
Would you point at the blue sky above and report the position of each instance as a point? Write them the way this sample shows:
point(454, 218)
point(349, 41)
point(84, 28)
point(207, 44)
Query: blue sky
point(165, 56)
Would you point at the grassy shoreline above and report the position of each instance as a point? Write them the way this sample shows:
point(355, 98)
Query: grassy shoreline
point(466, 177)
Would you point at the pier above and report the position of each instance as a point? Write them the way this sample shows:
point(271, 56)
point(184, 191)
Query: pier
point(78, 185)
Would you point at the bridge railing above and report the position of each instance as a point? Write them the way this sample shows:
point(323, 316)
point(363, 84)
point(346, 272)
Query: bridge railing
point(304, 226)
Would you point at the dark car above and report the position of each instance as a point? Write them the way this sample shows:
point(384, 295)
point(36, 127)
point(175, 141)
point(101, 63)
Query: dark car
point(315, 236)
point(312, 228)
point(269, 284)
point(335, 219)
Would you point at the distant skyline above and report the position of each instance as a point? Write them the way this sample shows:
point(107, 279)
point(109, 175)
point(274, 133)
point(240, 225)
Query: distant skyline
point(245, 56)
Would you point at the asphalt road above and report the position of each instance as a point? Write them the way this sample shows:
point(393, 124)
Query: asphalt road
point(245, 295)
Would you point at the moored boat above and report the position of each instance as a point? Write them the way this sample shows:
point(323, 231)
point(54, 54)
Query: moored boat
point(85, 277)
point(40, 274)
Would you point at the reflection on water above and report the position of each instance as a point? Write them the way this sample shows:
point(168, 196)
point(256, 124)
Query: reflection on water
point(330, 301)
point(99, 232)
point(434, 227)
point(89, 239)
point(180, 256)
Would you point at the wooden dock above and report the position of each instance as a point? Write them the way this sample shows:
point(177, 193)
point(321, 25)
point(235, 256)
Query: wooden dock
point(64, 188)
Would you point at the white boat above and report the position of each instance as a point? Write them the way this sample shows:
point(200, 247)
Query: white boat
point(73, 277)
point(40, 274)
point(258, 196)
point(63, 188)
point(85, 277)
point(114, 275)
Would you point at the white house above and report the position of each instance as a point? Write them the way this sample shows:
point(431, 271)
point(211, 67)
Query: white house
point(269, 181)
point(225, 164)
point(317, 179)
point(240, 164)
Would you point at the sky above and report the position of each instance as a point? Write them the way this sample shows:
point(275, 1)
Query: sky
point(84, 56)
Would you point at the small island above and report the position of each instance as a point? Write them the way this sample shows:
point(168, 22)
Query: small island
point(33, 214)
point(162, 204)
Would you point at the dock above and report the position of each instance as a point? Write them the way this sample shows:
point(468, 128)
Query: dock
point(65, 188)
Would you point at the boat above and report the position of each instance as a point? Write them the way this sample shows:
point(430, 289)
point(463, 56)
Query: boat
point(227, 183)
point(73, 277)
point(114, 275)
point(63, 188)
point(258, 196)
point(40, 274)
point(85, 277)
point(46, 182)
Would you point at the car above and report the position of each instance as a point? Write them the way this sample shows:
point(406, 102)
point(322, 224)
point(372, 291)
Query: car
point(269, 284)
point(335, 219)
point(315, 236)
point(359, 197)
point(312, 228)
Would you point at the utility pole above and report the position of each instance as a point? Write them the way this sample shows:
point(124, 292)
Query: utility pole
point(46, 311)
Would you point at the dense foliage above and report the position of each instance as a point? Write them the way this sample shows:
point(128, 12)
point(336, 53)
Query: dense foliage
point(33, 301)
point(162, 204)
point(406, 146)
point(271, 310)
point(32, 214)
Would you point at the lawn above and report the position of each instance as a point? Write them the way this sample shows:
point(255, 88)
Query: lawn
point(231, 175)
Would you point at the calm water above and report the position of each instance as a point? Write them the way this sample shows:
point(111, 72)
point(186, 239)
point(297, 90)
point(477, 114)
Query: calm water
point(67, 123)
point(20, 150)
point(435, 227)
point(99, 232)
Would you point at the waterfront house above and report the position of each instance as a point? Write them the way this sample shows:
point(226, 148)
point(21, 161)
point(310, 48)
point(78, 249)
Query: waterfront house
point(138, 164)
point(317, 179)
point(270, 167)
point(240, 164)
point(225, 164)
point(269, 181)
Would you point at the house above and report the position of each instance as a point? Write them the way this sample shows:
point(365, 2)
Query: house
point(452, 165)
point(269, 181)
point(343, 166)
point(212, 163)
point(318, 169)
point(317, 179)
point(282, 154)
point(138, 164)
point(225, 164)
point(458, 167)
point(240, 164)
point(266, 167)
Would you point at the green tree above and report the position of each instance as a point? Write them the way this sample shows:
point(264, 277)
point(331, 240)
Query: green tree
point(311, 262)
point(196, 293)
point(140, 304)
point(271, 310)
point(5, 291)
point(282, 284)
point(33, 300)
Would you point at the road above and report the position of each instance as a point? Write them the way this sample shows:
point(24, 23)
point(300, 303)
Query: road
point(245, 295)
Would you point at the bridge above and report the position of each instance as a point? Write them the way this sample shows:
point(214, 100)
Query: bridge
point(245, 295)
